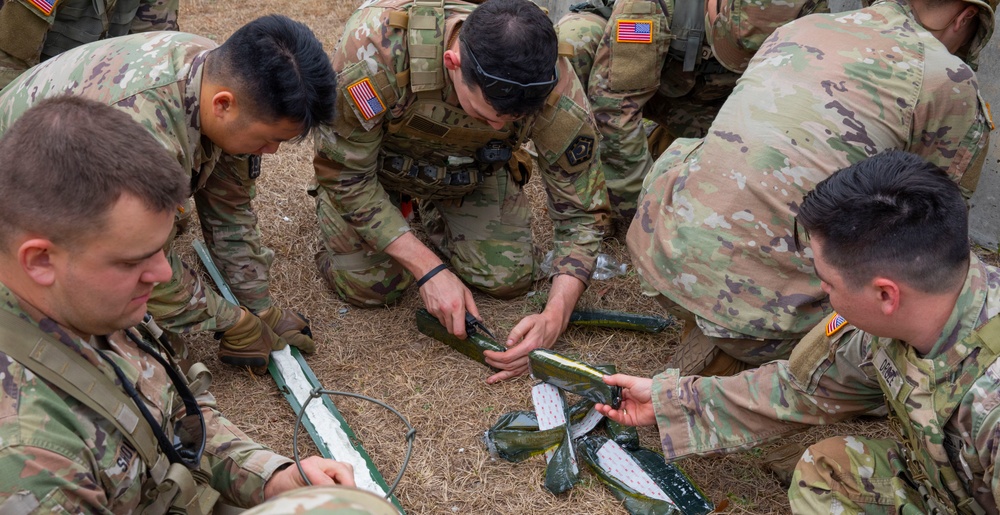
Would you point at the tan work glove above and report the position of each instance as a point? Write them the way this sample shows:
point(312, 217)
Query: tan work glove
point(291, 326)
point(249, 343)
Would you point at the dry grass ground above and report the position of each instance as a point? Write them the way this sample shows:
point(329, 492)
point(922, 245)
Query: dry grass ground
point(379, 353)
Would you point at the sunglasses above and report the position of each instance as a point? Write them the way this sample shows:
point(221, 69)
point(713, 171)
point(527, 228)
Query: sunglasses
point(499, 88)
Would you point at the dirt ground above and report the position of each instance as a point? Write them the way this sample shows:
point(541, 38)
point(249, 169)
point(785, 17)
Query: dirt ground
point(379, 352)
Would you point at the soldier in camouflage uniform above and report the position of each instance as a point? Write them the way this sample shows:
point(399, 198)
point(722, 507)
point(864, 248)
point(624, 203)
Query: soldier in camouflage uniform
point(216, 109)
point(889, 239)
point(32, 31)
point(657, 59)
point(435, 102)
point(95, 416)
point(713, 236)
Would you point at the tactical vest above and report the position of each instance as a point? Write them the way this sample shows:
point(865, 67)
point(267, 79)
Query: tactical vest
point(167, 487)
point(71, 24)
point(435, 150)
point(930, 451)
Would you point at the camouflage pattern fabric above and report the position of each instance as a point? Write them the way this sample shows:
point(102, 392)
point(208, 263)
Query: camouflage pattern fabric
point(156, 79)
point(325, 500)
point(714, 232)
point(75, 22)
point(60, 456)
point(486, 234)
point(629, 77)
point(702, 416)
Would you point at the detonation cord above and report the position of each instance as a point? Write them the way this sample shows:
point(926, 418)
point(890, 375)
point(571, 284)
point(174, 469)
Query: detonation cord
point(317, 392)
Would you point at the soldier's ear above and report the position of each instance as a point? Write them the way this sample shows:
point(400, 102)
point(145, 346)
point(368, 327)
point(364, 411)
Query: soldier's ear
point(452, 60)
point(888, 292)
point(223, 104)
point(34, 256)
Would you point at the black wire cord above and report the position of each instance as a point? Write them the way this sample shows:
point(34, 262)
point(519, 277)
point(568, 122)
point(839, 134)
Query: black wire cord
point(411, 433)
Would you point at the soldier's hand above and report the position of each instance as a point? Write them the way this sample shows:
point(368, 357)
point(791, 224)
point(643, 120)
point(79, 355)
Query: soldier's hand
point(637, 401)
point(291, 326)
point(447, 298)
point(320, 471)
point(532, 332)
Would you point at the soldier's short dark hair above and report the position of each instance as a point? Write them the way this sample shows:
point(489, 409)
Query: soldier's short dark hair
point(67, 160)
point(892, 215)
point(512, 39)
point(280, 70)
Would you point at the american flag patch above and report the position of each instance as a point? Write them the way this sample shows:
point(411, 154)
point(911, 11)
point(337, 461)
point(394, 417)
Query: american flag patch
point(366, 98)
point(835, 323)
point(46, 6)
point(634, 31)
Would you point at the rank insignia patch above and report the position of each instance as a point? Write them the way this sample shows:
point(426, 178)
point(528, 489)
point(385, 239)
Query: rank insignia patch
point(366, 98)
point(253, 170)
point(580, 150)
point(835, 323)
point(634, 31)
point(46, 6)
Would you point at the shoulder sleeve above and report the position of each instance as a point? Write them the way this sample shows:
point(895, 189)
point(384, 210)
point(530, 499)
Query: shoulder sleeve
point(951, 124)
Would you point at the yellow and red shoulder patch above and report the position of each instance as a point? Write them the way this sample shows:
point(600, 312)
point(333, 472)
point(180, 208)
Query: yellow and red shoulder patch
point(634, 31)
point(835, 324)
point(366, 98)
point(45, 6)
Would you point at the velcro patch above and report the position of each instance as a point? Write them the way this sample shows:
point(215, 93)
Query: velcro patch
point(580, 150)
point(366, 98)
point(835, 324)
point(634, 31)
point(253, 168)
point(46, 6)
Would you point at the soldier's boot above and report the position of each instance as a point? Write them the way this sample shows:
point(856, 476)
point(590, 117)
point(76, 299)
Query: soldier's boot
point(291, 326)
point(249, 343)
point(781, 461)
point(699, 356)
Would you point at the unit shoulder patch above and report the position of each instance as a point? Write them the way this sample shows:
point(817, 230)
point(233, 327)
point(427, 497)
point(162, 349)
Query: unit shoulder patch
point(44, 6)
point(580, 150)
point(835, 324)
point(634, 31)
point(366, 99)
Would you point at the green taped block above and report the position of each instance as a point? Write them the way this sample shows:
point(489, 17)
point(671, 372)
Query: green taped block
point(573, 376)
point(472, 346)
point(642, 480)
point(620, 320)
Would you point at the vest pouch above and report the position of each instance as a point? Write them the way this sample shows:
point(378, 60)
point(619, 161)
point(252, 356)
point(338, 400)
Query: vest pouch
point(181, 491)
point(426, 181)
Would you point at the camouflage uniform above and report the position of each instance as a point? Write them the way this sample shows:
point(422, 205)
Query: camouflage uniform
point(156, 78)
point(837, 373)
point(414, 138)
point(631, 78)
point(325, 500)
point(33, 32)
point(714, 231)
point(58, 455)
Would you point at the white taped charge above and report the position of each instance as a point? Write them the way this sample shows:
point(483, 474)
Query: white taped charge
point(327, 425)
point(622, 466)
point(551, 412)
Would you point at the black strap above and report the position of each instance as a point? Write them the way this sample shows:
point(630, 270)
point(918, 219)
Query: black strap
point(427, 277)
point(190, 458)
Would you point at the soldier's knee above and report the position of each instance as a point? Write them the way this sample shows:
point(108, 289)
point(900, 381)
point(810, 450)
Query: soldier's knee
point(501, 269)
point(381, 284)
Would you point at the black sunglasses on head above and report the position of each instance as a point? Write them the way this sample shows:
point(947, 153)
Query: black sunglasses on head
point(499, 88)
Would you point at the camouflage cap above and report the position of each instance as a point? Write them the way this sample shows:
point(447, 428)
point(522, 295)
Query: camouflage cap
point(987, 19)
point(743, 25)
point(317, 500)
